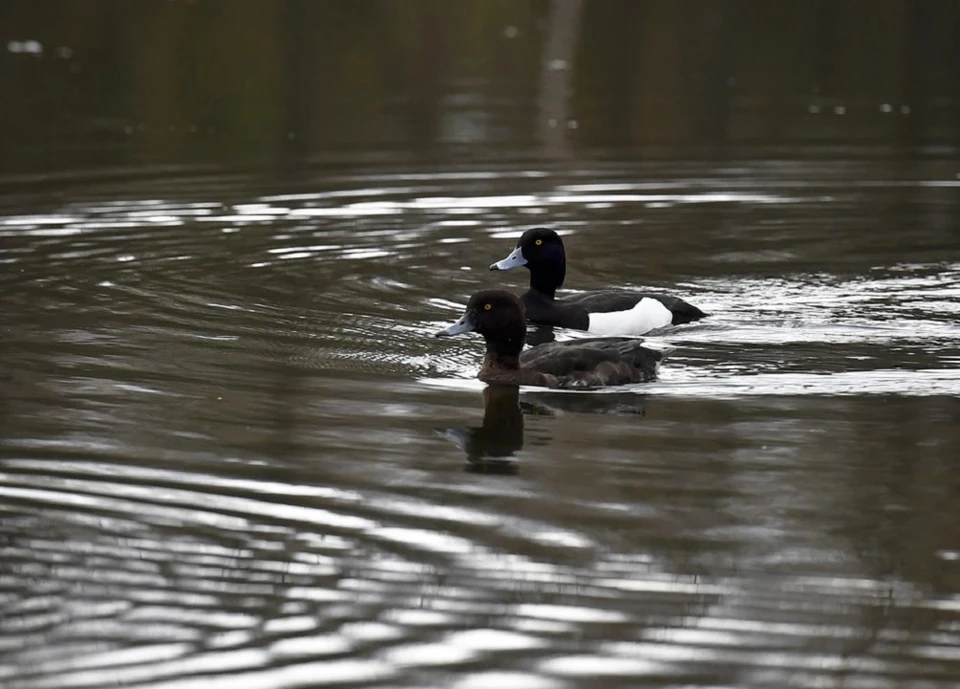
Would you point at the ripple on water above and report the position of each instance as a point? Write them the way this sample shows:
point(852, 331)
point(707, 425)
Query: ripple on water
point(162, 261)
point(220, 469)
point(507, 680)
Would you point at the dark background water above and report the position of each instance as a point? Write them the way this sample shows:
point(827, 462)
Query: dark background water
point(109, 82)
point(231, 453)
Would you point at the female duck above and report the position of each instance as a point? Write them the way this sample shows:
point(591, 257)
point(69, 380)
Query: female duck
point(591, 362)
point(604, 312)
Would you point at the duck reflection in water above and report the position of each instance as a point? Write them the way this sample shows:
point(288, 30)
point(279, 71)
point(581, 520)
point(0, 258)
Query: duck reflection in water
point(490, 447)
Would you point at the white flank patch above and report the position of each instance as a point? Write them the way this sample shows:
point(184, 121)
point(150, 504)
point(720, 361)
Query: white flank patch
point(644, 317)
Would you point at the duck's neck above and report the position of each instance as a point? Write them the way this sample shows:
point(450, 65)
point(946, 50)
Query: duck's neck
point(498, 361)
point(503, 352)
point(548, 278)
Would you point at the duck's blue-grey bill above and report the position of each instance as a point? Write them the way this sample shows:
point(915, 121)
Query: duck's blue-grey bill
point(514, 260)
point(464, 325)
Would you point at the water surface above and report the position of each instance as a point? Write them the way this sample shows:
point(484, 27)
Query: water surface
point(233, 455)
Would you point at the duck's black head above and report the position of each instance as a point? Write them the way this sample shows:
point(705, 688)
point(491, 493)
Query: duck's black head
point(541, 251)
point(498, 316)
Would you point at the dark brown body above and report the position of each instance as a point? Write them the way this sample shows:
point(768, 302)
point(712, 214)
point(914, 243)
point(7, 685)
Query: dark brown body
point(592, 363)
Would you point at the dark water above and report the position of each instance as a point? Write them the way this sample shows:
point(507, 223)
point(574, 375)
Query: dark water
point(231, 455)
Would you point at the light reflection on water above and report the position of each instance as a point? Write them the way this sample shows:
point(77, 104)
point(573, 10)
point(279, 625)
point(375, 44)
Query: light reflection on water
point(232, 455)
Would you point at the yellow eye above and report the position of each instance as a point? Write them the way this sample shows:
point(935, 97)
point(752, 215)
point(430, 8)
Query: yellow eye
point(538, 242)
point(487, 307)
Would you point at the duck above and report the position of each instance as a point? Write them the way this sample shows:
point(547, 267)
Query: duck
point(500, 317)
point(601, 312)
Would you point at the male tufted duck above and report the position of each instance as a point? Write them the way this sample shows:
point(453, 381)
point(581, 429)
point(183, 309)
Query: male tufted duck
point(582, 363)
point(604, 312)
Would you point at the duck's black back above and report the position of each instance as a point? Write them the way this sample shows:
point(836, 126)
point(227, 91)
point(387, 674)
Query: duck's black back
point(573, 310)
point(605, 301)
